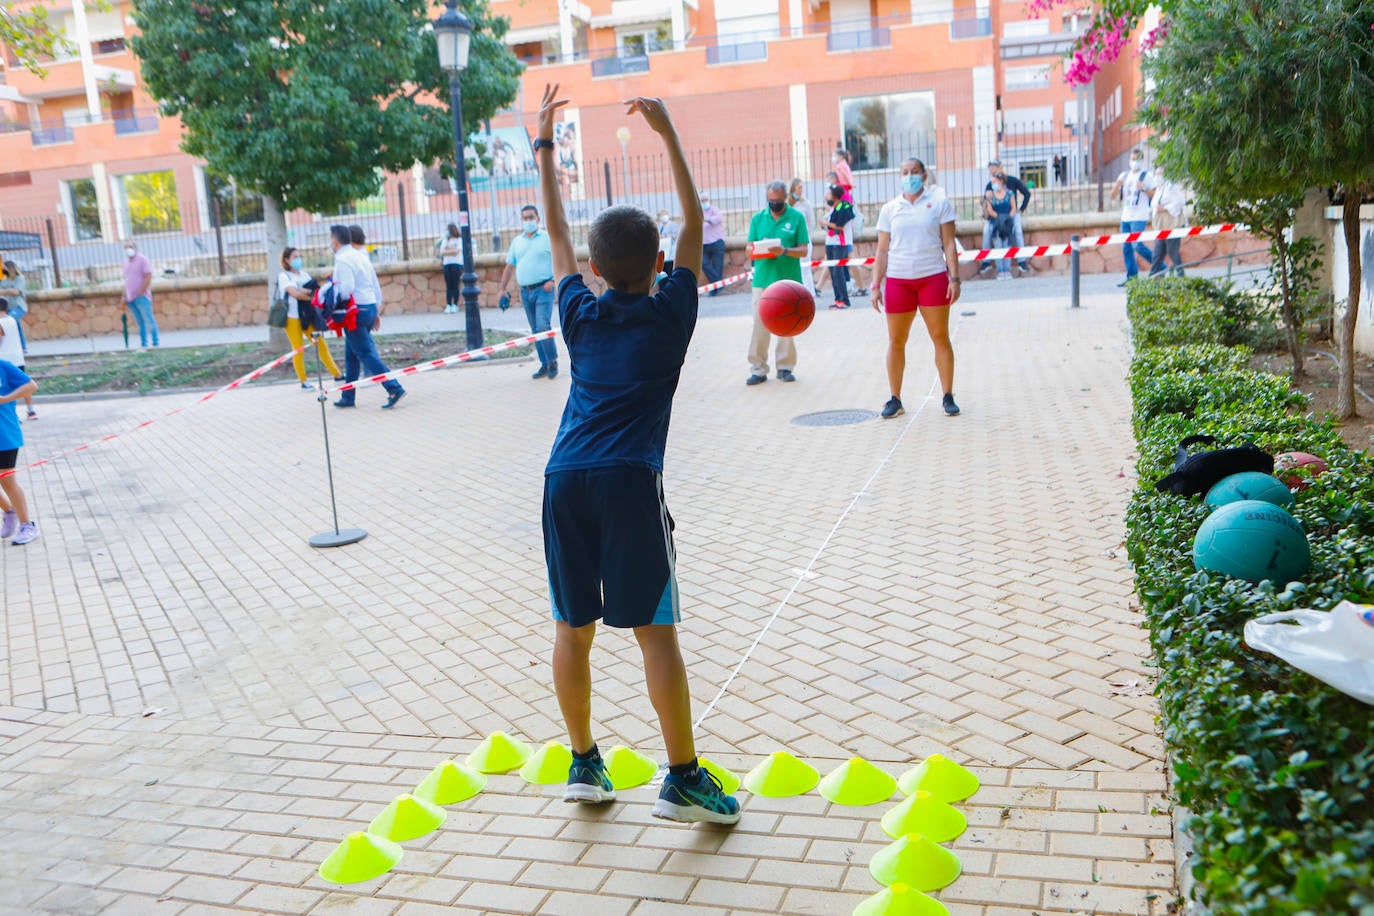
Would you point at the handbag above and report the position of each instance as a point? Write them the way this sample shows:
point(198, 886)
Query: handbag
point(276, 315)
point(1195, 474)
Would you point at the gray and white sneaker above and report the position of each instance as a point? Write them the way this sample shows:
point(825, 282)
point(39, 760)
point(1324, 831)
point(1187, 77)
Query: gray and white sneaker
point(10, 524)
point(892, 408)
point(27, 532)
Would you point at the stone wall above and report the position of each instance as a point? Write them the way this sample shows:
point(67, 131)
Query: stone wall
point(418, 286)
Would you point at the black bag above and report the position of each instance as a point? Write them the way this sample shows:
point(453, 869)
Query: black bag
point(1197, 473)
point(276, 315)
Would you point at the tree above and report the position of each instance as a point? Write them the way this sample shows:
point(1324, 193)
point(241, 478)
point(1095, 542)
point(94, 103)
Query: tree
point(1107, 35)
point(310, 103)
point(27, 35)
point(1260, 98)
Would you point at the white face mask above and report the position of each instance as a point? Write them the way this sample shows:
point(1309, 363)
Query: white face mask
point(128, 252)
point(1135, 165)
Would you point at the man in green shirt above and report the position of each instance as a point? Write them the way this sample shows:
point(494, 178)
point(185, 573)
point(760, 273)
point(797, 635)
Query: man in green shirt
point(785, 228)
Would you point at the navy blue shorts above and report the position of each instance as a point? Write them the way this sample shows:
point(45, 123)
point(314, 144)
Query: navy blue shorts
point(608, 541)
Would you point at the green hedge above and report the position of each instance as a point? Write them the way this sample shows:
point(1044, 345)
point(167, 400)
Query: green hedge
point(1275, 766)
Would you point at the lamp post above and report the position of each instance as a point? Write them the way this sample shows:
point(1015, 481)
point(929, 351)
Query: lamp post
point(623, 135)
point(453, 31)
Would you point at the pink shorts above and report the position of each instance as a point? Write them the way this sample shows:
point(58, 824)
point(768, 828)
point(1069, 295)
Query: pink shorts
point(907, 295)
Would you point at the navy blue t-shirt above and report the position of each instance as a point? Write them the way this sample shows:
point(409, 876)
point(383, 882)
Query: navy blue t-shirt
point(626, 353)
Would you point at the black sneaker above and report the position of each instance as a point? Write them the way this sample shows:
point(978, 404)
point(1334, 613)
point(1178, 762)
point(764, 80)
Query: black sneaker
point(342, 403)
point(951, 408)
point(984, 267)
point(892, 408)
point(756, 380)
point(553, 369)
point(542, 373)
point(392, 399)
point(785, 375)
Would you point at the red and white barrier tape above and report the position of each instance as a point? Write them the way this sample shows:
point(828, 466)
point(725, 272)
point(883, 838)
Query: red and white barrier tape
point(1042, 251)
point(721, 284)
point(454, 360)
point(241, 380)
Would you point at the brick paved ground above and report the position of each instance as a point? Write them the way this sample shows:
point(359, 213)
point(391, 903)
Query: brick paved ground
point(974, 601)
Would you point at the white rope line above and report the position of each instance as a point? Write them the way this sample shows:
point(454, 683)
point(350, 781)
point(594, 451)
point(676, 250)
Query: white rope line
point(930, 396)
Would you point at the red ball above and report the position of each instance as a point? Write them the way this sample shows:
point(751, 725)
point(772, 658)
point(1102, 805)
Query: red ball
point(1290, 460)
point(786, 308)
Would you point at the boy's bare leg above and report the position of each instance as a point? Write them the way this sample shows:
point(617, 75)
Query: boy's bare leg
point(667, 677)
point(15, 498)
point(572, 681)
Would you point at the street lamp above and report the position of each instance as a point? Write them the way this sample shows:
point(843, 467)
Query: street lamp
point(454, 33)
point(623, 135)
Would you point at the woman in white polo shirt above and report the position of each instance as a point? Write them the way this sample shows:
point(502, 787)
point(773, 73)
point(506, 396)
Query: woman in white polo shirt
point(917, 270)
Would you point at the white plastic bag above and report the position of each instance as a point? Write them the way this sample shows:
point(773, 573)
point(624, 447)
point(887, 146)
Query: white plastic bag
point(1336, 646)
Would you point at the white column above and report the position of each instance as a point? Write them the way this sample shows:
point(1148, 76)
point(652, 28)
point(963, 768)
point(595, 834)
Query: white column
point(984, 114)
point(801, 130)
point(417, 180)
point(679, 21)
point(565, 29)
point(83, 44)
point(794, 16)
point(104, 202)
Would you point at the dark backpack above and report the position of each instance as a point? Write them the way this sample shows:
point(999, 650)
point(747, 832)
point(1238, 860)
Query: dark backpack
point(1197, 473)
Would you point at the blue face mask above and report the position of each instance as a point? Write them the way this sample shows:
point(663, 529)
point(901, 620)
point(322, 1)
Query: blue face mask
point(912, 184)
point(297, 263)
point(531, 227)
point(661, 277)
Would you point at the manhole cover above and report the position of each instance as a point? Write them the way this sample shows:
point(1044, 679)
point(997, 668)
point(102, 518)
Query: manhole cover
point(834, 417)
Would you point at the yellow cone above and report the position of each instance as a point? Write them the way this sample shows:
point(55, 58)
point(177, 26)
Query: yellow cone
point(941, 777)
point(360, 857)
point(900, 900)
point(857, 782)
point(629, 768)
point(499, 753)
point(925, 814)
point(407, 818)
point(781, 775)
point(449, 783)
point(916, 862)
point(548, 766)
point(729, 782)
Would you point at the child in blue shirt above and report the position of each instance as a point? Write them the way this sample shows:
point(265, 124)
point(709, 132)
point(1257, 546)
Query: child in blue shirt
point(607, 532)
point(14, 386)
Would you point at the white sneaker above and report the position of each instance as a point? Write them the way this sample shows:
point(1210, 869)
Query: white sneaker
point(9, 524)
point(27, 532)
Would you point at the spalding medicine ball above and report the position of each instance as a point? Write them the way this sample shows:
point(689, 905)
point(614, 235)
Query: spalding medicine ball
point(1249, 485)
point(1252, 540)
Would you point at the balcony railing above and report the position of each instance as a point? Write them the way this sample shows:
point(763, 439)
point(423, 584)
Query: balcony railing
point(619, 66)
point(737, 53)
point(135, 121)
point(50, 133)
point(859, 40)
point(970, 27)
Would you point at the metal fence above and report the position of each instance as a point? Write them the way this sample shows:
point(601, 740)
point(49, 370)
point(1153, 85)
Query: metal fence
point(186, 235)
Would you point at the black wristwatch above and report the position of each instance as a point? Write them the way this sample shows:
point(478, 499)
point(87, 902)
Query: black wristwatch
point(541, 143)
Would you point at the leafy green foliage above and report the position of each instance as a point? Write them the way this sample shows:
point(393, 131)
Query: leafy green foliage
point(26, 32)
point(310, 103)
point(1274, 765)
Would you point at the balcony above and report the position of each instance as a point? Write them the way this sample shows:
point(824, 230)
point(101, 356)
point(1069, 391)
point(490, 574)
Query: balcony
point(51, 133)
point(736, 53)
point(1053, 45)
point(135, 121)
point(860, 40)
point(970, 27)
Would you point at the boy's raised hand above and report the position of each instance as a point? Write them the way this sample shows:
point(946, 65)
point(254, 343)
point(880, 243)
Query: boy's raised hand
point(548, 107)
point(654, 111)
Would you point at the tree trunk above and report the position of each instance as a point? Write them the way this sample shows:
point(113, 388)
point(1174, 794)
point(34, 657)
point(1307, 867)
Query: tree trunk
point(1345, 392)
point(274, 238)
point(1292, 331)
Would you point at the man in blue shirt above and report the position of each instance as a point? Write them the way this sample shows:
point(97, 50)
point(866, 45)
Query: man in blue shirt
point(532, 260)
point(608, 537)
point(14, 386)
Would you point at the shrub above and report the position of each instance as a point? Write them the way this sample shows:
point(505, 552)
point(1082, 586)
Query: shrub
point(1274, 765)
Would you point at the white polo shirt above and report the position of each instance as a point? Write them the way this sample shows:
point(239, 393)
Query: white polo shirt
point(915, 250)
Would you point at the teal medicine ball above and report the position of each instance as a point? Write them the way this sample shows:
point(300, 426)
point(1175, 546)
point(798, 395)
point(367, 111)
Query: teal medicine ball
point(1250, 485)
point(1253, 540)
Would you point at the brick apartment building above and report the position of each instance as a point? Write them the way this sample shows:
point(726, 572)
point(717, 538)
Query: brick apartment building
point(760, 88)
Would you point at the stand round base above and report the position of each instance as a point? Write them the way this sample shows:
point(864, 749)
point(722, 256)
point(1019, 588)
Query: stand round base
point(338, 538)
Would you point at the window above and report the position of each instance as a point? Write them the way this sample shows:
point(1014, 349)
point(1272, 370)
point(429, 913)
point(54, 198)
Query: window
point(236, 207)
point(641, 40)
point(83, 209)
point(1029, 28)
point(1035, 77)
point(882, 130)
point(150, 202)
point(746, 21)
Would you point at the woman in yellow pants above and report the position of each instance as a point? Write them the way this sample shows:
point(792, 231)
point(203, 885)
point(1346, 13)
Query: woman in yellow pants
point(291, 286)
